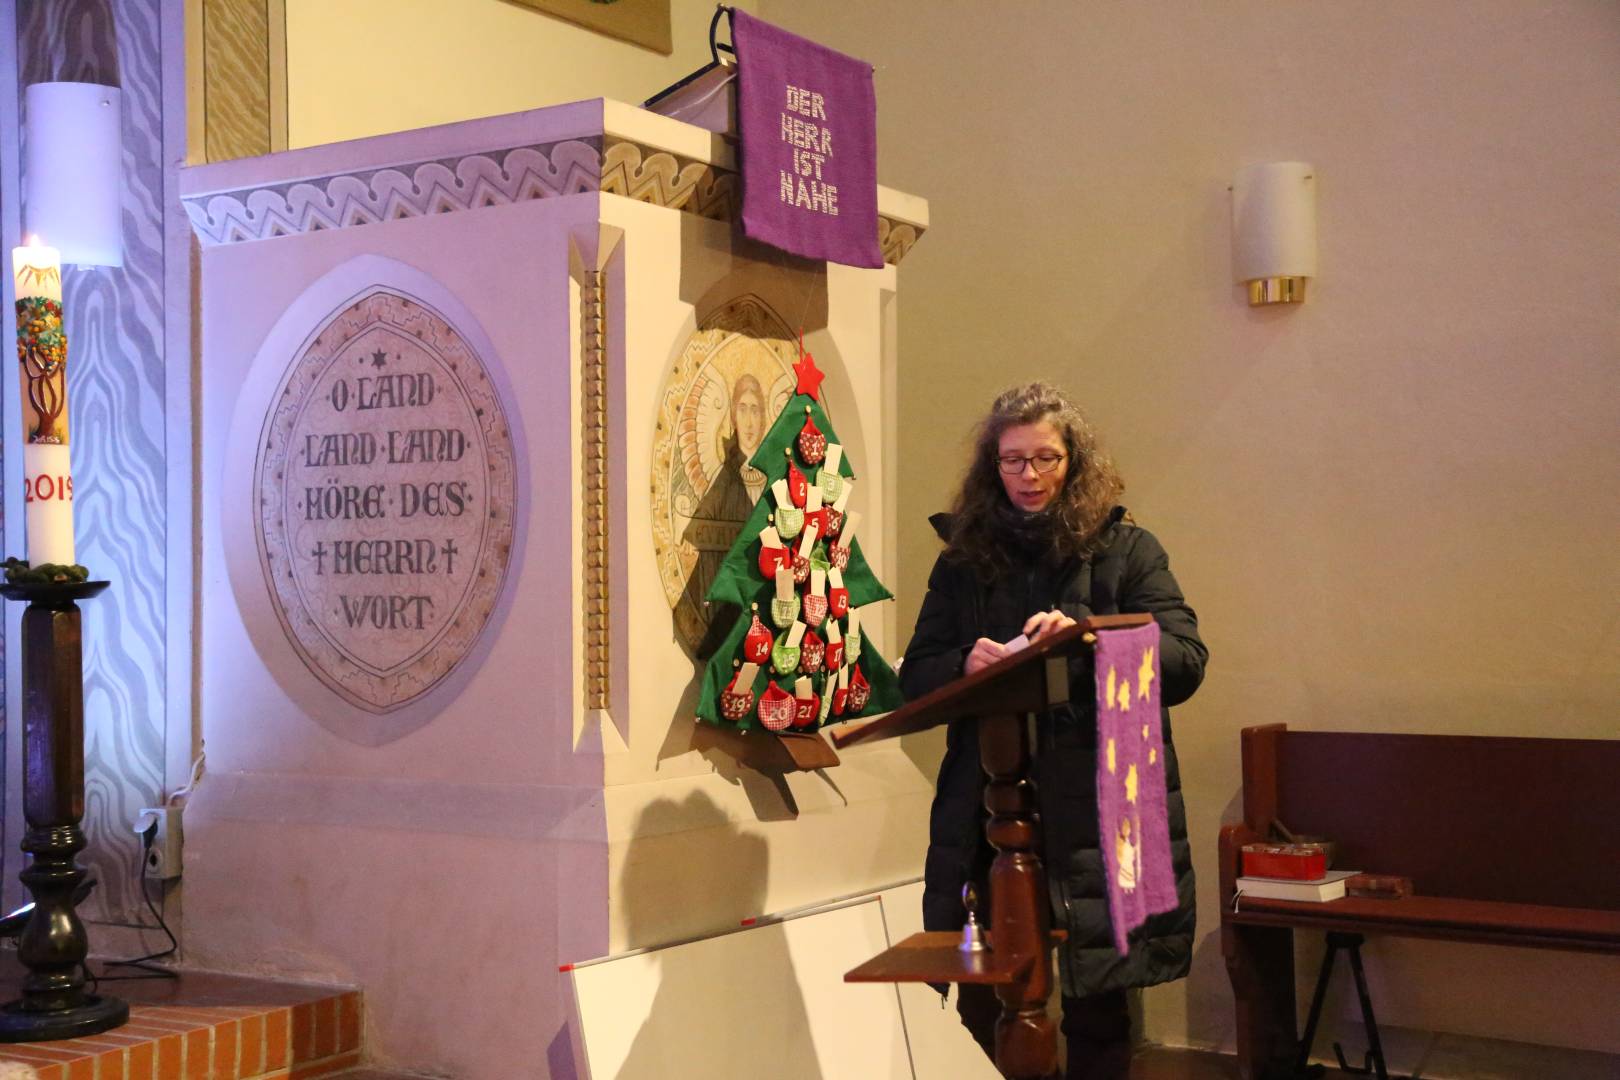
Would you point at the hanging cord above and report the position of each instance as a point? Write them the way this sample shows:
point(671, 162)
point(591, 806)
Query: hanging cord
point(196, 775)
point(145, 964)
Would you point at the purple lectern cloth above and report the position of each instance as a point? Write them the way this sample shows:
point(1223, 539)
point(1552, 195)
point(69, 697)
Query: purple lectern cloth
point(807, 120)
point(1132, 818)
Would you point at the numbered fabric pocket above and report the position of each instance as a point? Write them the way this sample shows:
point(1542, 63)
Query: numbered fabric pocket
point(785, 657)
point(757, 642)
point(818, 560)
point(798, 486)
point(859, 691)
point(785, 612)
point(806, 711)
point(812, 443)
point(840, 700)
point(736, 702)
point(776, 708)
point(815, 609)
point(831, 485)
point(838, 602)
point(789, 520)
point(812, 653)
point(771, 559)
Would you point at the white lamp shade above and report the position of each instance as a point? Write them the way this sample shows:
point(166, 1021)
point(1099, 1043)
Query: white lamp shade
point(73, 177)
point(1274, 221)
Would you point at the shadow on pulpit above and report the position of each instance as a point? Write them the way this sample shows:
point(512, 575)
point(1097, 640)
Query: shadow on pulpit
point(703, 1022)
point(733, 754)
point(1003, 699)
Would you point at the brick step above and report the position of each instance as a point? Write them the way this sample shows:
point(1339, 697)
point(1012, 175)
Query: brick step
point(204, 1026)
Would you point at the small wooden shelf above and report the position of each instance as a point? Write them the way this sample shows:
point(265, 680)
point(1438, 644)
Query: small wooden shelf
point(936, 957)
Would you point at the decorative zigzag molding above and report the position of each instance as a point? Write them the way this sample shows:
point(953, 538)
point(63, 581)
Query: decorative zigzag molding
point(663, 179)
point(896, 238)
point(496, 178)
point(406, 191)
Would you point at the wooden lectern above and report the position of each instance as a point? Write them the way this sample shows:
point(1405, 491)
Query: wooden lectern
point(1004, 698)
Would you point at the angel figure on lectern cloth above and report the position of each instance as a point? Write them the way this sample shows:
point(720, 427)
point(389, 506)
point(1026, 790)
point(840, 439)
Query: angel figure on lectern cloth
point(1126, 856)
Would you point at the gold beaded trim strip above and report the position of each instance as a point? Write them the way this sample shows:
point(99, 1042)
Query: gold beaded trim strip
point(593, 405)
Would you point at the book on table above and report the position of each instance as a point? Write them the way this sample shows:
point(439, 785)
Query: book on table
point(1320, 890)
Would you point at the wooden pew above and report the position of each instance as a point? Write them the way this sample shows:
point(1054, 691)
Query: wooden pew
point(1507, 841)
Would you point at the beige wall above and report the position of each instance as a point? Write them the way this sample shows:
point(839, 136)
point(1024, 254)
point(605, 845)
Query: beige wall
point(422, 62)
point(1395, 506)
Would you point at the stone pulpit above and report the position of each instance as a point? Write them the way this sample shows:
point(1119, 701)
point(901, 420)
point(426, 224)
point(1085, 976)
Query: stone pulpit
point(475, 408)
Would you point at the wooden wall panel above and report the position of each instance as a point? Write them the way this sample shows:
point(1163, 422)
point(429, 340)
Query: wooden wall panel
point(240, 81)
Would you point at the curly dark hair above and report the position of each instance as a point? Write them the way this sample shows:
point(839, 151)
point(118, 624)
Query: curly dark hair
point(982, 515)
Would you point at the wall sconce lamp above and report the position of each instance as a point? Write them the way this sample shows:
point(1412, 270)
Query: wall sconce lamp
point(1274, 230)
point(73, 181)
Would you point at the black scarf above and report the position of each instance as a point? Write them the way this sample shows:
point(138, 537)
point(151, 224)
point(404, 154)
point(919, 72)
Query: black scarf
point(1028, 537)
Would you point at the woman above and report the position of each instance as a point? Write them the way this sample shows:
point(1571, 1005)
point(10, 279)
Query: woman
point(1036, 542)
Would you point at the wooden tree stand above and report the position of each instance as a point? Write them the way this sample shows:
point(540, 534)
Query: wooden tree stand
point(1005, 699)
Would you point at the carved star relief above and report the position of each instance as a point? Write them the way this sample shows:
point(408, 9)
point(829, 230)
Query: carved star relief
point(379, 358)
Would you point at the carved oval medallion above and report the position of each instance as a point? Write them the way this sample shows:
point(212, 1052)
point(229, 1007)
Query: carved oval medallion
point(383, 499)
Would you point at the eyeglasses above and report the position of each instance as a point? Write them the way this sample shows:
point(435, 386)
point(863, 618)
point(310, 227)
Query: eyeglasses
point(1013, 464)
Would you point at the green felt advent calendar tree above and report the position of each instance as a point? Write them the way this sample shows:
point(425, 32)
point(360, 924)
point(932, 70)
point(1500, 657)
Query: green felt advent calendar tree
point(796, 658)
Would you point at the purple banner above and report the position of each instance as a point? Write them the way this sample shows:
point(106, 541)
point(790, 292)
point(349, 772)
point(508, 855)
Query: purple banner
point(1132, 818)
point(808, 127)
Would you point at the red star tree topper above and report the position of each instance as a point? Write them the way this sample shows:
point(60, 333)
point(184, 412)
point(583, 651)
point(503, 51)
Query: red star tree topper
point(809, 375)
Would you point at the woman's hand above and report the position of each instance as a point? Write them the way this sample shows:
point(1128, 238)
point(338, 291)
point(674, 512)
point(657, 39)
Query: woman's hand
point(984, 653)
point(1045, 622)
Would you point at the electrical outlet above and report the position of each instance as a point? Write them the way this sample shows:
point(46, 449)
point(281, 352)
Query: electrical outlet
point(163, 856)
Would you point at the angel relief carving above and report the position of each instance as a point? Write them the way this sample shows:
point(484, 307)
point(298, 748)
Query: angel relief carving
point(731, 380)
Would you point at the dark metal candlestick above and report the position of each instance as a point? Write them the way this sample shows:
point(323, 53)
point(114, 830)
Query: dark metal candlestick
point(54, 1004)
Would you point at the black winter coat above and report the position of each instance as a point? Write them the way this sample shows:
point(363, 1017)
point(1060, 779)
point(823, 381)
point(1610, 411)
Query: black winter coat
point(1130, 573)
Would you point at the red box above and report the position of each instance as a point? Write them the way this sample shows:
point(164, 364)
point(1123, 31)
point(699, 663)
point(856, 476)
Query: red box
point(1294, 862)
